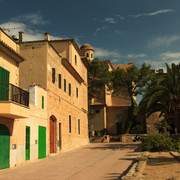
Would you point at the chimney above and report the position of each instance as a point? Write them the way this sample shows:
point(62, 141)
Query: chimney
point(21, 37)
point(46, 36)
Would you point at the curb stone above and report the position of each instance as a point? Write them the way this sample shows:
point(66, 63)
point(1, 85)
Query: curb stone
point(136, 170)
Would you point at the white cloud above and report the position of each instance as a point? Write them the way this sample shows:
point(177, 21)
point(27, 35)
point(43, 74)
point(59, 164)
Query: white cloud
point(121, 17)
point(110, 20)
point(134, 56)
point(169, 56)
point(33, 18)
point(163, 41)
point(12, 28)
point(162, 11)
point(104, 53)
point(100, 29)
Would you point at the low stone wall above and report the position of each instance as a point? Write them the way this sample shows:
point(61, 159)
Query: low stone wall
point(129, 137)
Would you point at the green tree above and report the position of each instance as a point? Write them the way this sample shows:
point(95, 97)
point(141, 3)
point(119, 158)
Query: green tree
point(135, 80)
point(98, 76)
point(163, 95)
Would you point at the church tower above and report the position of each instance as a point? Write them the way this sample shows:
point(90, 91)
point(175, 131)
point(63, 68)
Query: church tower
point(87, 51)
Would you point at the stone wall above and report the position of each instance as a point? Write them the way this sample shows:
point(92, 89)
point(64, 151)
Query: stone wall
point(151, 122)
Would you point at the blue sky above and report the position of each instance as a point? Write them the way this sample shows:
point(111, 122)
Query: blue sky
point(144, 30)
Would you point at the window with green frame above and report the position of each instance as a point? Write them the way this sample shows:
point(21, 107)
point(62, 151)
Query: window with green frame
point(77, 92)
point(69, 123)
point(59, 81)
point(42, 102)
point(75, 60)
point(4, 84)
point(64, 85)
point(79, 126)
point(53, 75)
point(69, 89)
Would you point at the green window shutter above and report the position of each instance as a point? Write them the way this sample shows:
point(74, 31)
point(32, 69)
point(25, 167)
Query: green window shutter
point(27, 142)
point(53, 75)
point(70, 123)
point(77, 92)
point(60, 81)
point(4, 84)
point(78, 126)
point(42, 102)
point(69, 89)
point(64, 85)
point(75, 60)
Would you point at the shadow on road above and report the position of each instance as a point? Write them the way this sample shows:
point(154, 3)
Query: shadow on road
point(118, 146)
point(112, 176)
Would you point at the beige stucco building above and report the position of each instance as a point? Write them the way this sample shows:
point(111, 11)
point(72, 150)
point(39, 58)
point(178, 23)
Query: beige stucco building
point(20, 122)
point(59, 67)
point(108, 111)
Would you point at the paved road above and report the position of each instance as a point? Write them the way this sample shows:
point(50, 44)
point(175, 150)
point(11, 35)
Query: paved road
point(95, 161)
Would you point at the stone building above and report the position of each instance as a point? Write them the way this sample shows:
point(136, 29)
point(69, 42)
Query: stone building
point(108, 111)
point(58, 67)
point(23, 114)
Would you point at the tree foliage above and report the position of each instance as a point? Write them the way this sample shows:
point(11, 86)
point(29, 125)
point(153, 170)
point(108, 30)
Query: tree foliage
point(163, 94)
point(134, 79)
point(98, 76)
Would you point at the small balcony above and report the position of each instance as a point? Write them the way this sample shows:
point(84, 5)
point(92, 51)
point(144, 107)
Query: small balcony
point(14, 101)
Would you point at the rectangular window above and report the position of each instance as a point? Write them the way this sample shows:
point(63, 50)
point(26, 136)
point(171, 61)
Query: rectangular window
point(59, 81)
point(69, 123)
point(78, 126)
point(77, 92)
point(69, 89)
point(64, 85)
point(42, 102)
point(4, 84)
point(75, 60)
point(87, 54)
point(53, 75)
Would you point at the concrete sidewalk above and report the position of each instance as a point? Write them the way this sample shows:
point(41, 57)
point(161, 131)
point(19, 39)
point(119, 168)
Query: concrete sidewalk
point(93, 161)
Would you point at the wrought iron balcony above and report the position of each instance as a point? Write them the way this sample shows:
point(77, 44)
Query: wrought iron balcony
point(12, 93)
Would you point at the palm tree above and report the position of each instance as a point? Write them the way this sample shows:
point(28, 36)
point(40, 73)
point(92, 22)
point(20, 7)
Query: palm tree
point(163, 95)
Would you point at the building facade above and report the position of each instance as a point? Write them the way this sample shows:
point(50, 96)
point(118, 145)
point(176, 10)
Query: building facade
point(14, 104)
point(57, 66)
point(109, 112)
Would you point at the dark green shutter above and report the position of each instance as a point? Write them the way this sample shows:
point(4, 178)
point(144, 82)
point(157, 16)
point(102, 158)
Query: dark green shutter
point(60, 81)
point(53, 75)
point(4, 146)
point(75, 59)
point(42, 142)
point(64, 85)
point(69, 89)
point(27, 142)
point(76, 92)
point(4, 84)
point(70, 123)
point(42, 102)
point(78, 126)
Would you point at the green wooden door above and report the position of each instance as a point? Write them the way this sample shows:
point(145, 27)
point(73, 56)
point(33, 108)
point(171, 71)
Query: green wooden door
point(42, 142)
point(27, 143)
point(4, 84)
point(4, 146)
